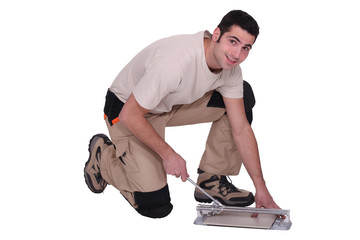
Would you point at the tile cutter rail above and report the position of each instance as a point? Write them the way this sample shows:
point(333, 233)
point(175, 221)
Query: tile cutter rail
point(206, 212)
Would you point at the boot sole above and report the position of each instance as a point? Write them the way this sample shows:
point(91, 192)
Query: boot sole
point(204, 199)
point(92, 142)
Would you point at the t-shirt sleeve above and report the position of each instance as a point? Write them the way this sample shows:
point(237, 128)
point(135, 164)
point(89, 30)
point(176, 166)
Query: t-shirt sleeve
point(161, 77)
point(233, 85)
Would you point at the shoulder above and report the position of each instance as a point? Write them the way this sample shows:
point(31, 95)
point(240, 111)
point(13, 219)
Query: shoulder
point(177, 45)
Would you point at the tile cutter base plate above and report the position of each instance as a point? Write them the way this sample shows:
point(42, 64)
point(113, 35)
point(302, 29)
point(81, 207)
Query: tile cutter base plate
point(241, 217)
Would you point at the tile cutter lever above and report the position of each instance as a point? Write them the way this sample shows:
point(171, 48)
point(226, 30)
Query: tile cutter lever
point(205, 211)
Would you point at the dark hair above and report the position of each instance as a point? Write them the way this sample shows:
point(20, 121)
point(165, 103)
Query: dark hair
point(241, 19)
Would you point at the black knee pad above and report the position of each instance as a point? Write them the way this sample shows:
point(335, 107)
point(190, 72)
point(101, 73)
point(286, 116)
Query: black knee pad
point(249, 101)
point(216, 100)
point(154, 204)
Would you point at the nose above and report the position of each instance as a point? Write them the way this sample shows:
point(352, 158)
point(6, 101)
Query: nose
point(236, 52)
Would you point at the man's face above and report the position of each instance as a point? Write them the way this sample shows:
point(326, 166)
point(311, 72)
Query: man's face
point(233, 48)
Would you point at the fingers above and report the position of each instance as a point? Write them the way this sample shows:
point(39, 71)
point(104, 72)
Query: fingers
point(181, 170)
point(257, 206)
point(183, 174)
point(271, 205)
point(176, 166)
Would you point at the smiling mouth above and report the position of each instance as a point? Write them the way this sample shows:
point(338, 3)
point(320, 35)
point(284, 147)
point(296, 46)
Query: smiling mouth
point(230, 59)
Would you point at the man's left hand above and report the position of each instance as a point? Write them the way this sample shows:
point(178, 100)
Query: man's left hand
point(263, 199)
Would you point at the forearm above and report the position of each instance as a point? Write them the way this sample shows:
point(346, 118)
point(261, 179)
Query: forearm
point(247, 146)
point(248, 149)
point(143, 130)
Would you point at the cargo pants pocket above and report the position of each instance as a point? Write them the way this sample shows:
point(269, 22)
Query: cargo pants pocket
point(123, 152)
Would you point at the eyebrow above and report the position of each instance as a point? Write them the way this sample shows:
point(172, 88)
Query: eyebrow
point(237, 39)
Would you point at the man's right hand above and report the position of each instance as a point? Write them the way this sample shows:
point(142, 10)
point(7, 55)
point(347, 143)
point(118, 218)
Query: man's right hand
point(175, 165)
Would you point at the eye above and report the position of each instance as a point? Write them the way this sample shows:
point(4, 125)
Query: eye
point(233, 42)
point(246, 48)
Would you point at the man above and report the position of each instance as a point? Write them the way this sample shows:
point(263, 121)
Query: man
point(175, 81)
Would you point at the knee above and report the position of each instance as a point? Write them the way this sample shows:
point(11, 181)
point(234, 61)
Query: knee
point(154, 204)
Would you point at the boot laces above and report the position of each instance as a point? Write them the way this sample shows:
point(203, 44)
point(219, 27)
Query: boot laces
point(224, 183)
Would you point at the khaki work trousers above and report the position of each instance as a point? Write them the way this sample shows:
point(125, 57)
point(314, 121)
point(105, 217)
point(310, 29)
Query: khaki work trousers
point(133, 167)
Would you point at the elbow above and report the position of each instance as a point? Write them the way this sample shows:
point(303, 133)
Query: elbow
point(131, 113)
point(129, 118)
point(124, 118)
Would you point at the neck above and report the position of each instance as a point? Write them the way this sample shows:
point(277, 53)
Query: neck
point(209, 56)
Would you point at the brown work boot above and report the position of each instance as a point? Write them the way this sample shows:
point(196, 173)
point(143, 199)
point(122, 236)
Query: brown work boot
point(92, 174)
point(222, 190)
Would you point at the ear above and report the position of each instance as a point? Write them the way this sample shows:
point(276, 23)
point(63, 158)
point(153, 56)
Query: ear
point(216, 34)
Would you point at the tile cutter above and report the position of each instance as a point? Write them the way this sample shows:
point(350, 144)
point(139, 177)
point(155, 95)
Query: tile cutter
point(219, 215)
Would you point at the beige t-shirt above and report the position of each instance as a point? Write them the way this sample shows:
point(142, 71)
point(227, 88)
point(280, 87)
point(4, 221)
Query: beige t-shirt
point(173, 71)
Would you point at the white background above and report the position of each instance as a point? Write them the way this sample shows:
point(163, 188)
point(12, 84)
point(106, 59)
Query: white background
point(57, 59)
